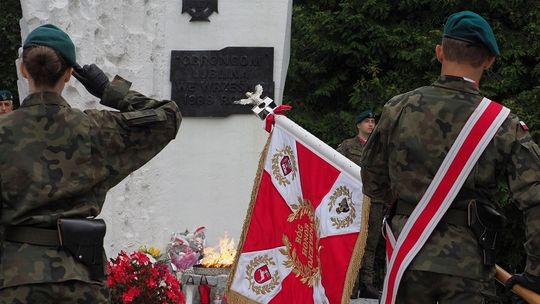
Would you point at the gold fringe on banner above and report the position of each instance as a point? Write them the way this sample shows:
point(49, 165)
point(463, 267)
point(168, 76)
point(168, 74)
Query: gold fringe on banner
point(236, 298)
point(232, 296)
point(358, 253)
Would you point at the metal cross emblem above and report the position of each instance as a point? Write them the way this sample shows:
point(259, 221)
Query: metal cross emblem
point(199, 10)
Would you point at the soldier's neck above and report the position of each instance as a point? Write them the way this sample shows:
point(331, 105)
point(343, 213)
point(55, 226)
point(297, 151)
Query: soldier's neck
point(363, 137)
point(33, 88)
point(57, 87)
point(462, 70)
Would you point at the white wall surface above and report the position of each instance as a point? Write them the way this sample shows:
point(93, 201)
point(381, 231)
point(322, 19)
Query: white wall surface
point(204, 177)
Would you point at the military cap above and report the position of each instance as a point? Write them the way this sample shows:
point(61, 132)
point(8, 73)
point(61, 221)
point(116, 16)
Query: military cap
point(364, 115)
point(5, 95)
point(53, 37)
point(471, 27)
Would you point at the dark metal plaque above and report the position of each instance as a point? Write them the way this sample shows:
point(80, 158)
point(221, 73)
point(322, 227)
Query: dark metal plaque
point(206, 83)
point(199, 10)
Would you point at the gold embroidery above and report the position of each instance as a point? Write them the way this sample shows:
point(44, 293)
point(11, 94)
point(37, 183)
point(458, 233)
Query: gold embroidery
point(307, 238)
point(276, 165)
point(347, 221)
point(253, 266)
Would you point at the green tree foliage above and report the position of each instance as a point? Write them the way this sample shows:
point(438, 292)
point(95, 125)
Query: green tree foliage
point(350, 55)
point(10, 40)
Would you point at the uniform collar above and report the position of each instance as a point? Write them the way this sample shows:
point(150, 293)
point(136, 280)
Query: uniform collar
point(457, 83)
point(44, 98)
point(361, 140)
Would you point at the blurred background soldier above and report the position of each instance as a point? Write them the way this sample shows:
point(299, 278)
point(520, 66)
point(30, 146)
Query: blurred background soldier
point(65, 162)
point(6, 101)
point(352, 149)
point(406, 149)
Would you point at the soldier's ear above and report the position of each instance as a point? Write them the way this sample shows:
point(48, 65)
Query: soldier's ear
point(67, 74)
point(24, 72)
point(439, 53)
point(489, 62)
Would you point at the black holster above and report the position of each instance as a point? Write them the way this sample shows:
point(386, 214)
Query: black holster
point(83, 238)
point(486, 223)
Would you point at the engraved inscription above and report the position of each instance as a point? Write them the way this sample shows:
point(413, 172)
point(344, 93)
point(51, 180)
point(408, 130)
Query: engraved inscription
point(206, 83)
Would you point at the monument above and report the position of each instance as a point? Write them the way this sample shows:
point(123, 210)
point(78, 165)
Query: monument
point(204, 177)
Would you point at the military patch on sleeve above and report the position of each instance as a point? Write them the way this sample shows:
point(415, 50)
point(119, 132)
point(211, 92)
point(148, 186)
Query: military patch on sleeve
point(523, 125)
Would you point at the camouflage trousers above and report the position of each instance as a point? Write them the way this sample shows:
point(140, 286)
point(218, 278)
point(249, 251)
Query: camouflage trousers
point(422, 287)
point(66, 292)
point(367, 271)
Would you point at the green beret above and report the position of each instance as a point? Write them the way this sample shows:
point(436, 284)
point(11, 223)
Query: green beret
point(364, 115)
point(471, 27)
point(5, 95)
point(53, 37)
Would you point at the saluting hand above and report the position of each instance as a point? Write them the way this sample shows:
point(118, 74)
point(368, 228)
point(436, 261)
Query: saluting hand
point(92, 78)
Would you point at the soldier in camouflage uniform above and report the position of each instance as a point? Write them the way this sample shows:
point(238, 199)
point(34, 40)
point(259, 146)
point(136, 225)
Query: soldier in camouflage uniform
point(407, 147)
point(59, 162)
point(352, 149)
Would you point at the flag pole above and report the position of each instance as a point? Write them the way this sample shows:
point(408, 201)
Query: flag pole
point(526, 294)
point(264, 107)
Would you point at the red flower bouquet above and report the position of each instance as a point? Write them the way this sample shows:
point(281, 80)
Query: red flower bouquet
point(139, 279)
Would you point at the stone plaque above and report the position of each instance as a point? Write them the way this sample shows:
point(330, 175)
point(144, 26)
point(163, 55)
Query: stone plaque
point(206, 83)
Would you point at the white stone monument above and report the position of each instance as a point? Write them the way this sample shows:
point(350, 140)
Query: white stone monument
point(204, 177)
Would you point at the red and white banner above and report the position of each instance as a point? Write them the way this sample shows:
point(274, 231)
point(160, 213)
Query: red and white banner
point(301, 241)
point(447, 182)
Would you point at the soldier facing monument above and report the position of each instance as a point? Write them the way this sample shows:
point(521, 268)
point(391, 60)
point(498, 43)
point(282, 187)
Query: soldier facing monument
point(65, 162)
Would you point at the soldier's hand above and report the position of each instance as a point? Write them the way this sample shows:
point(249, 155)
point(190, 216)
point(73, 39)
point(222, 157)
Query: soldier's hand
point(526, 280)
point(516, 299)
point(92, 78)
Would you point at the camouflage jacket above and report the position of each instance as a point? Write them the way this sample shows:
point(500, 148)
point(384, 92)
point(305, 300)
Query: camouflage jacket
point(407, 147)
point(59, 162)
point(352, 149)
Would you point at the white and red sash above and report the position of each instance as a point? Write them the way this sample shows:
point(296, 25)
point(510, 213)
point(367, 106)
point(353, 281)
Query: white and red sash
point(455, 168)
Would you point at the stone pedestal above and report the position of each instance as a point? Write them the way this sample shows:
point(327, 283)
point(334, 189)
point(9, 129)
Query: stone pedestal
point(191, 282)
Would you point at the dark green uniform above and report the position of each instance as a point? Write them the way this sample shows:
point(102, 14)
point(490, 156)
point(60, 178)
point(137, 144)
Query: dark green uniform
point(404, 152)
point(59, 162)
point(352, 149)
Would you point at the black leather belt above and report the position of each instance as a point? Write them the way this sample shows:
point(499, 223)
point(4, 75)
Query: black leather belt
point(32, 235)
point(452, 216)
